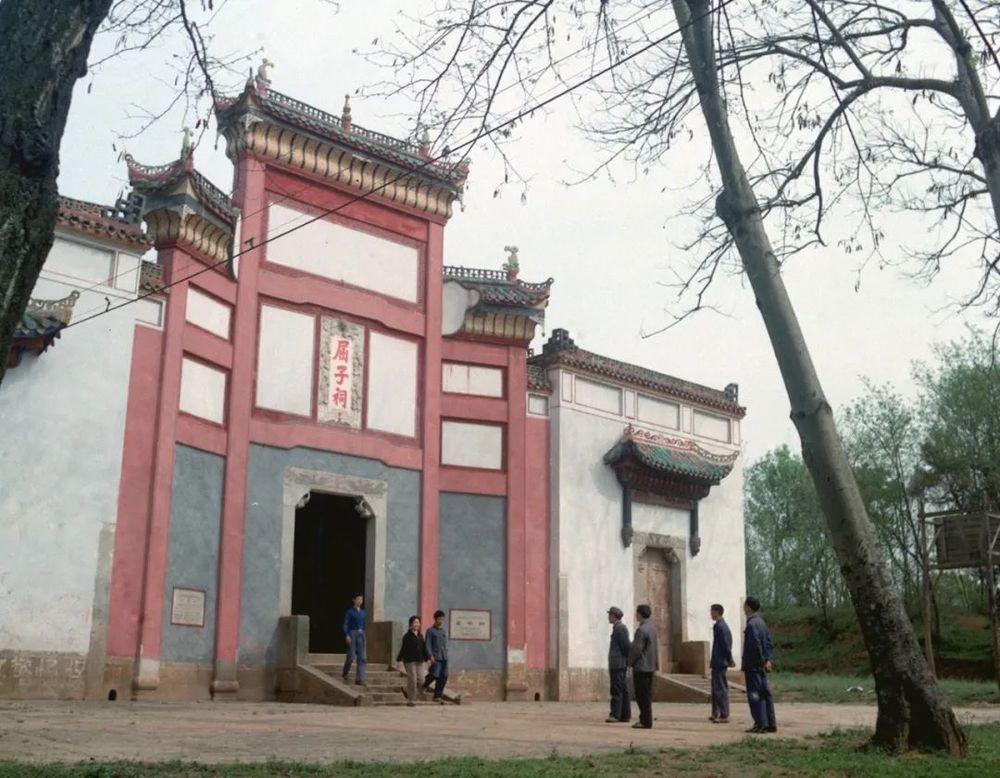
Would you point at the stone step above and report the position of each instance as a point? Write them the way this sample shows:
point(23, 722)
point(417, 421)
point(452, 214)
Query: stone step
point(399, 703)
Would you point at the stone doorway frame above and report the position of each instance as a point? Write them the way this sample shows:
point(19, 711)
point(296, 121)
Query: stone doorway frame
point(297, 484)
point(674, 549)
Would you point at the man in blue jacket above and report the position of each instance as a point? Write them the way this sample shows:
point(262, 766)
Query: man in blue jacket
point(722, 660)
point(354, 636)
point(618, 651)
point(757, 657)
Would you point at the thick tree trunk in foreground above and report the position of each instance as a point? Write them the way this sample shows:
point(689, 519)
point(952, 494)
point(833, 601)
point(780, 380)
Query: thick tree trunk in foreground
point(911, 712)
point(44, 48)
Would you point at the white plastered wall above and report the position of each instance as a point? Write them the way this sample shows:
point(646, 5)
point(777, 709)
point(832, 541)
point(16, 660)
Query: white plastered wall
point(592, 566)
point(63, 416)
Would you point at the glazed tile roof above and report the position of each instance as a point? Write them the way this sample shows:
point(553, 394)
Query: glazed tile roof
point(676, 456)
point(341, 130)
point(561, 351)
point(100, 221)
point(496, 289)
point(538, 379)
point(151, 277)
point(155, 178)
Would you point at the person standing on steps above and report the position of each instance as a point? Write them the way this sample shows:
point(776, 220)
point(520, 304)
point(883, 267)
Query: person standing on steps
point(618, 651)
point(437, 644)
point(644, 659)
point(354, 637)
point(758, 655)
point(722, 660)
point(413, 653)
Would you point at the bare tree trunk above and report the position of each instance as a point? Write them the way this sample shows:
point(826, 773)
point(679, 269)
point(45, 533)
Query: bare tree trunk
point(44, 49)
point(911, 712)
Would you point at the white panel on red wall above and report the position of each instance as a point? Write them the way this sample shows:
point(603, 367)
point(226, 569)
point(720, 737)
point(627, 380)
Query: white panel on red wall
point(392, 385)
point(460, 378)
point(340, 253)
point(203, 391)
point(208, 313)
point(285, 361)
point(464, 444)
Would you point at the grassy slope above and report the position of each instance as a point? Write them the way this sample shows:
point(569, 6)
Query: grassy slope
point(839, 753)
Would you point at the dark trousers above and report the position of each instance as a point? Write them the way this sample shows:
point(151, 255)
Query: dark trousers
point(438, 675)
point(760, 700)
point(356, 649)
point(720, 693)
point(621, 706)
point(644, 696)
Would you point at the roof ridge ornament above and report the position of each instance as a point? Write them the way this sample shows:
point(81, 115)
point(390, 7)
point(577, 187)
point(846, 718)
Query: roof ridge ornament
point(511, 267)
point(345, 116)
point(262, 81)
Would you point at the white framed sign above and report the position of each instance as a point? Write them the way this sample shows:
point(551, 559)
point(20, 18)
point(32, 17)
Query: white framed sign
point(470, 624)
point(187, 607)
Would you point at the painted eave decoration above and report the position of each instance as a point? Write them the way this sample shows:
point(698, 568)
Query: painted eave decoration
point(103, 223)
point(561, 351)
point(280, 128)
point(507, 308)
point(672, 456)
point(40, 325)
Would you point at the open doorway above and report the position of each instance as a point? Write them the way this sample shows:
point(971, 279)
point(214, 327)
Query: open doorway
point(328, 567)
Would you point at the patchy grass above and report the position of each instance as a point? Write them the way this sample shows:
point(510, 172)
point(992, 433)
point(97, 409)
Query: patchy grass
point(833, 754)
point(821, 687)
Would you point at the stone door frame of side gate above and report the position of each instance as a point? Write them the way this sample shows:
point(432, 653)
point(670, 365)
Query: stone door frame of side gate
point(674, 549)
point(298, 483)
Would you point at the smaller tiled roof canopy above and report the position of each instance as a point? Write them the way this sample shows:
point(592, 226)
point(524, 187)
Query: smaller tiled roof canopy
point(676, 457)
point(538, 380)
point(40, 325)
point(499, 289)
point(561, 351)
point(120, 223)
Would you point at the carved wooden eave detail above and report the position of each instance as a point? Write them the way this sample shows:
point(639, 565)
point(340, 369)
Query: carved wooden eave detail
point(181, 206)
point(277, 128)
point(505, 326)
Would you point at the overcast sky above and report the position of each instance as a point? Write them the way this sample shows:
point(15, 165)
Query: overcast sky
point(608, 245)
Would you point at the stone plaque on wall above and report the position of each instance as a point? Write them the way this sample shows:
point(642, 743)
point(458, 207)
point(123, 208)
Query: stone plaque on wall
point(187, 607)
point(341, 372)
point(470, 624)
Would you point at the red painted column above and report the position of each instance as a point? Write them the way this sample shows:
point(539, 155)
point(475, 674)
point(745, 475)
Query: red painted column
point(517, 383)
point(250, 197)
point(430, 476)
point(147, 674)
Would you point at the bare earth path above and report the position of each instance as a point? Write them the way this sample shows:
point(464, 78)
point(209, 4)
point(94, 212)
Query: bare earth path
point(44, 731)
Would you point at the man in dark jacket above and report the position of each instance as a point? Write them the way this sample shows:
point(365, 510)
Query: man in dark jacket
point(437, 644)
point(757, 657)
point(644, 659)
point(621, 706)
point(722, 660)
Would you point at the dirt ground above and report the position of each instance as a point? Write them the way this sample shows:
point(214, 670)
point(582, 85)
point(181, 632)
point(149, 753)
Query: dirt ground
point(46, 731)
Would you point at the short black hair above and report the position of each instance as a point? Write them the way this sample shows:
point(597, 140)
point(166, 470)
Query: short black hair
point(752, 603)
point(413, 619)
point(644, 610)
point(438, 614)
point(718, 608)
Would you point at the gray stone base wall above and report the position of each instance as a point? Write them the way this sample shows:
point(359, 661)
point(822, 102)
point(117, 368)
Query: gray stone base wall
point(42, 675)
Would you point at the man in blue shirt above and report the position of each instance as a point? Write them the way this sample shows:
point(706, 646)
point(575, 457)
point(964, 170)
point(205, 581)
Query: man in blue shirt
point(722, 660)
point(757, 657)
point(437, 644)
point(354, 636)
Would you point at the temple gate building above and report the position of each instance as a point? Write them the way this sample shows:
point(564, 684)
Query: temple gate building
point(295, 399)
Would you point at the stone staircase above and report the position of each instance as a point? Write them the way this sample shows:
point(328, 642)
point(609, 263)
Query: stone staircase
point(383, 685)
point(687, 687)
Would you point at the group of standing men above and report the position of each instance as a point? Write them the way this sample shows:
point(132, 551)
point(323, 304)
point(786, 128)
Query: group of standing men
point(641, 655)
point(416, 651)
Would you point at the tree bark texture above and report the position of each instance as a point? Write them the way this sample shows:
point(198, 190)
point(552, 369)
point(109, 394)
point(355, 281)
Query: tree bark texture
point(911, 711)
point(44, 48)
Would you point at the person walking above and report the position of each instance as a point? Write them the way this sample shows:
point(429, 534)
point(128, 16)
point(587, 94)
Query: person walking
point(413, 653)
point(644, 659)
point(722, 660)
point(758, 655)
point(437, 644)
point(354, 637)
point(618, 651)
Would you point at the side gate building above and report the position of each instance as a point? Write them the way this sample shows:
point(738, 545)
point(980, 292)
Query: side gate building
point(295, 398)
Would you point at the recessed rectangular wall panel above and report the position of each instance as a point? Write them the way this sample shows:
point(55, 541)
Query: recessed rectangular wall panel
point(599, 396)
point(340, 253)
point(708, 425)
point(203, 391)
point(464, 444)
point(538, 405)
point(663, 414)
point(79, 260)
point(392, 385)
point(285, 361)
point(460, 378)
point(208, 313)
